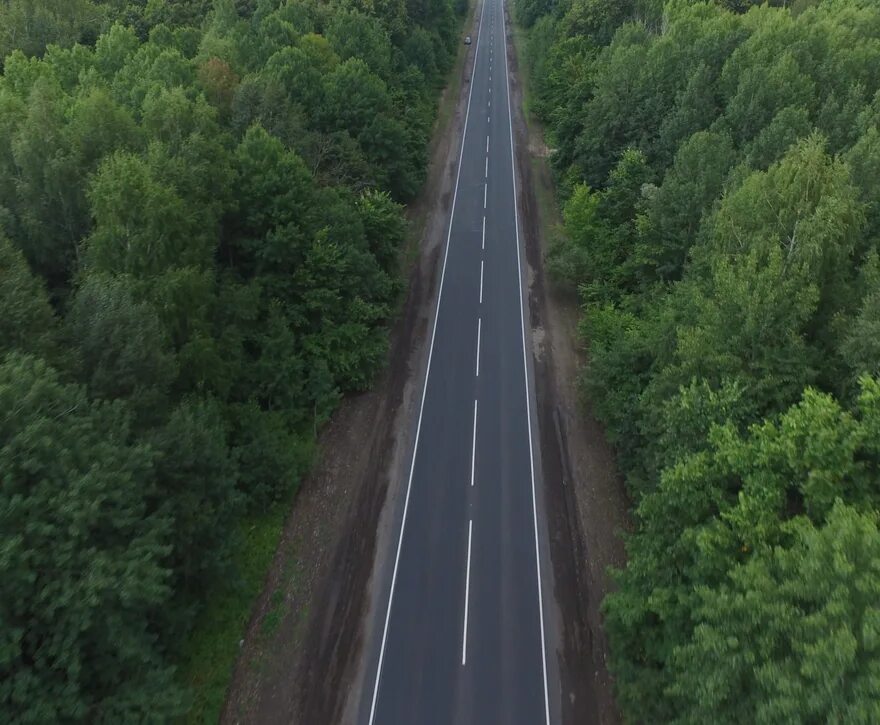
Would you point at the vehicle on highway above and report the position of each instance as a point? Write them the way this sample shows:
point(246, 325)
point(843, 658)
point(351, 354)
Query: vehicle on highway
point(467, 40)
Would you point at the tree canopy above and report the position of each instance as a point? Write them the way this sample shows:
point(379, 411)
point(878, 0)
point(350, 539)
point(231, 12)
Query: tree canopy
point(717, 164)
point(201, 219)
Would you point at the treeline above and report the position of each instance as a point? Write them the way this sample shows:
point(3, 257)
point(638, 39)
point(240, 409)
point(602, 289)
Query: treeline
point(719, 164)
point(200, 220)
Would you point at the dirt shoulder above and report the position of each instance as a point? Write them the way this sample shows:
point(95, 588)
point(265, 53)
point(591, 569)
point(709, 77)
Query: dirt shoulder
point(299, 659)
point(586, 502)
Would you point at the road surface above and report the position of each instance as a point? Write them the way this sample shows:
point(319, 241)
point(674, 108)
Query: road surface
point(461, 630)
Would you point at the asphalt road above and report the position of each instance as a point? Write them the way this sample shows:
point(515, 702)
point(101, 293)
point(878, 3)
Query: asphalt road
point(462, 630)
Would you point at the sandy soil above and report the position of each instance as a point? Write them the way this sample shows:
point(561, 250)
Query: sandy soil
point(300, 659)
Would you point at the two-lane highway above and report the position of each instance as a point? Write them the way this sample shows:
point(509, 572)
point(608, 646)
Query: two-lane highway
point(462, 628)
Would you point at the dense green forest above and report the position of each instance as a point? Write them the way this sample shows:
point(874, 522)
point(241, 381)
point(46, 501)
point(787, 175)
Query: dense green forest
point(719, 165)
point(200, 220)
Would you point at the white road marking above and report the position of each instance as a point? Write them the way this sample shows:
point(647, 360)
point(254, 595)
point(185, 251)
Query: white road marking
point(481, 281)
point(490, 103)
point(526, 380)
point(479, 330)
point(424, 391)
point(474, 445)
point(485, 191)
point(487, 143)
point(484, 233)
point(467, 591)
point(486, 173)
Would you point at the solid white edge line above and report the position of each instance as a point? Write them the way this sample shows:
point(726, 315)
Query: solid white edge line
point(424, 388)
point(467, 591)
point(479, 326)
point(526, 376)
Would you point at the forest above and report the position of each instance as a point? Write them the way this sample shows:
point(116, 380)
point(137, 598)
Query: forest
point(718, 165)
point(201, 220)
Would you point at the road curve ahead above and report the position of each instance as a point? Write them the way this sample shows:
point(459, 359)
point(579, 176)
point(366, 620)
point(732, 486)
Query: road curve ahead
point(462, 637)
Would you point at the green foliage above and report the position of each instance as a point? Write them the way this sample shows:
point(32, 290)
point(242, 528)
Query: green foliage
point(571, 259)
point(200, 230)
point(594, 19)
point(208, 655)
point(142, 227)
point(384, 227)
point(793, 635)
point(861, 345)
point(674, 210)
point(719, 162)
point(122, 349)
point(529, 11)
point(355, 35)
point(716, 515)
point(194, 488)
point(27, 322)
point(32, 25)
point(82, 573)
